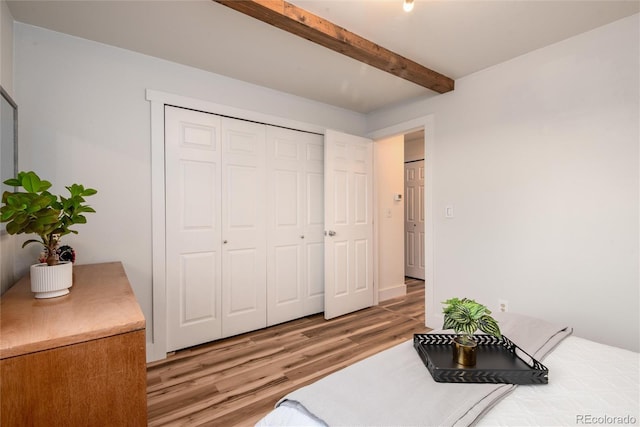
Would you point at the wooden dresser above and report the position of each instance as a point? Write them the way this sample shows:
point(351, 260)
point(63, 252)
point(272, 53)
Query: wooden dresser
point(75, 360)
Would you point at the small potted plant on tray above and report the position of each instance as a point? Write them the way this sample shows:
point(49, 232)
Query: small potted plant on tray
point(465, 317)
point(36, 211)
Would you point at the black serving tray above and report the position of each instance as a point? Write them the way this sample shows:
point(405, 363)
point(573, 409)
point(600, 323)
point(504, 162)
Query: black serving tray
point(499, 360)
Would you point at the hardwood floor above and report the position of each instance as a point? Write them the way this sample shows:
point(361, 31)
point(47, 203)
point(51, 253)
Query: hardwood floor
point(236, 381)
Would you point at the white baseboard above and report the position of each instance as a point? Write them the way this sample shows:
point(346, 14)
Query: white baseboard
point(155, 352)
point(435, 321)
point(398, 290)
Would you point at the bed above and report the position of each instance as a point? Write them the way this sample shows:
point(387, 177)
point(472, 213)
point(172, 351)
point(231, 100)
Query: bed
point(589, 384)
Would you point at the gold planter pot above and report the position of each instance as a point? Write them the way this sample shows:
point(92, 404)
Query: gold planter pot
point(464, 350)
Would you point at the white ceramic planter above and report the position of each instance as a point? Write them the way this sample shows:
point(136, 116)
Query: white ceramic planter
point(51, 281)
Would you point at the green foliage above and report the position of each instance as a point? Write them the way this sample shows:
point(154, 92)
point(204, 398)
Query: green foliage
point(465, 316)
point(36, 211)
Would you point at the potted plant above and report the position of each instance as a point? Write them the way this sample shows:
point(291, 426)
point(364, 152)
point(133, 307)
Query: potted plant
point(466, 316)
point(36, 211)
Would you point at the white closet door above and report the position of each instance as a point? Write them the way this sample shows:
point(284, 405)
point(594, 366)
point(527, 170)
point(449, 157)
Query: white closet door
point(295, 271)
point(244, 193)
point(348, 223)
point(314, 226)
point(193, 269)
point(414, 219)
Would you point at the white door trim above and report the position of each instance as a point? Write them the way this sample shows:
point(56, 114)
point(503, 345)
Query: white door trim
point(432, 312)
point(157, 326)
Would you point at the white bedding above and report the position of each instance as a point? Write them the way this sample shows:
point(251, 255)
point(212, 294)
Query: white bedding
point(589, 384)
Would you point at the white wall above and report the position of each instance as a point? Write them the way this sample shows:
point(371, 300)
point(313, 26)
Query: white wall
point(389, 174)
point(7, 242)
point(84, 118)
point(6, 47)
point(540, 157)
point(414, 146)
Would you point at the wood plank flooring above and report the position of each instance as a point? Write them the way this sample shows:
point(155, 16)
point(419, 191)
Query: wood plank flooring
point(238, 380)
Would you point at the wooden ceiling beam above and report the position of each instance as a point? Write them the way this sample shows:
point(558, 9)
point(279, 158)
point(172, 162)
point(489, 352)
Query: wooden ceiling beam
point(295, 20)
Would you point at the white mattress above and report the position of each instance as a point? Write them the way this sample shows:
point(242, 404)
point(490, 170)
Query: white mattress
point(589, 384)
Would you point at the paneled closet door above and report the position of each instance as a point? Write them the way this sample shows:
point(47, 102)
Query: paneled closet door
point(193, 267)
point(295, 258)
point(244, 190)
point(414, 219)
point(348, 221)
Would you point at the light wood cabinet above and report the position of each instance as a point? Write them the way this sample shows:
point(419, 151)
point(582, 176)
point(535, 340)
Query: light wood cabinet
point(74, 360)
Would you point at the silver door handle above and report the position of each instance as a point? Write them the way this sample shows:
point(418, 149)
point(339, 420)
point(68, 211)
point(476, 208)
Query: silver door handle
point(331, 233)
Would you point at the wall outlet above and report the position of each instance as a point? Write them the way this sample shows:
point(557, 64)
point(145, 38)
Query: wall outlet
point(503, 305)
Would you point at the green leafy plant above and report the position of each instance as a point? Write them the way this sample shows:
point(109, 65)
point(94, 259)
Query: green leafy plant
point(36, 211)
point(465, 316)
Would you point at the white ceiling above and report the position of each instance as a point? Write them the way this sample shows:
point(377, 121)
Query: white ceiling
point(453, 37)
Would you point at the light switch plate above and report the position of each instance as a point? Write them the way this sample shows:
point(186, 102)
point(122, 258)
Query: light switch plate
point(448, 211)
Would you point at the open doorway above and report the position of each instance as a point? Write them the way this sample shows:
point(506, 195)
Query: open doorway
point(414, 212)
point(400, 208)
point(391, 255)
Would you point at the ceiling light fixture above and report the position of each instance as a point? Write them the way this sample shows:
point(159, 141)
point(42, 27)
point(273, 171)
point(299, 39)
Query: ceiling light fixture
point(407, 5)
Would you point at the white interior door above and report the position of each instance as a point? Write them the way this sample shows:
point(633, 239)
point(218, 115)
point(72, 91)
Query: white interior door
point(244, 190)
point(193, 266)
point(295, 238)
point(414, 219)
point(348, 223)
